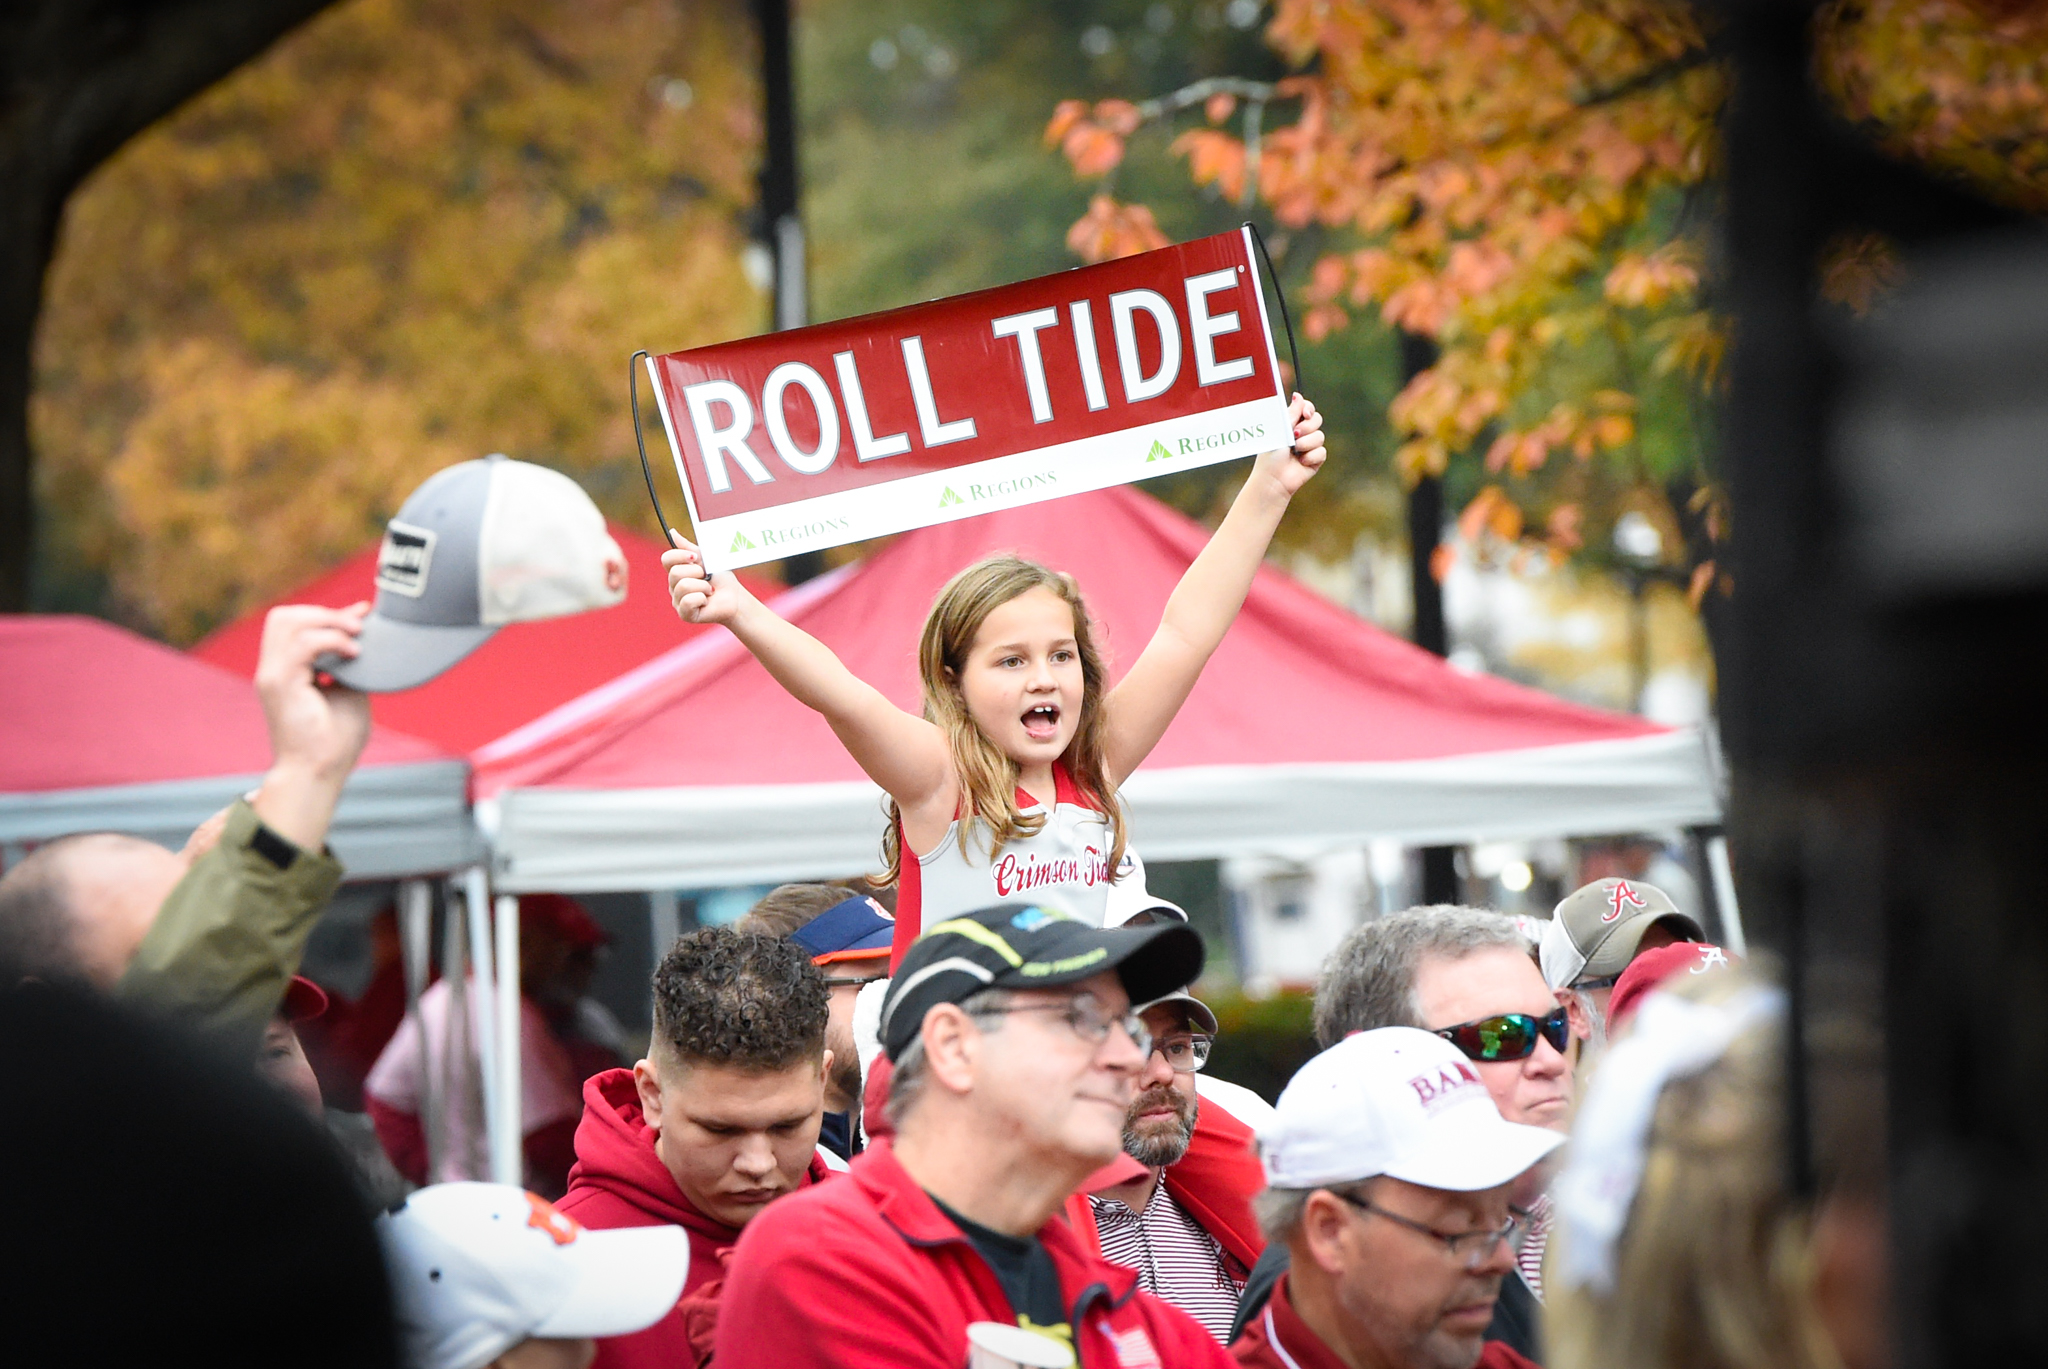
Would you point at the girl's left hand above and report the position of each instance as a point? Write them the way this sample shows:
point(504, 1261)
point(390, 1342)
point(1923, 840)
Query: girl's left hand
point(1292, 466)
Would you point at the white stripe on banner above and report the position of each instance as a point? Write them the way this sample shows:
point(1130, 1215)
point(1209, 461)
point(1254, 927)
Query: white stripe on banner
point(1004, 482)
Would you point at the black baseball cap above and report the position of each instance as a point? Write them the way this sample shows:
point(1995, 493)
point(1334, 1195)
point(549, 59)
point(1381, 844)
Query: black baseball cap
point(1030, 946)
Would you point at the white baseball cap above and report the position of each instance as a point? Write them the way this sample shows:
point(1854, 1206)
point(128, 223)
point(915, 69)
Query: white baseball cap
point(1128, 898)
point(479, 545)
point(478, 1268)
point(1397, 1101)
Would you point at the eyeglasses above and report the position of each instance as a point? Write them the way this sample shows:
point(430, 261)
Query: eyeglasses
point(1089, 1020)
point(1509, 1036)
point(1186, 1052)
point(1472, 1247)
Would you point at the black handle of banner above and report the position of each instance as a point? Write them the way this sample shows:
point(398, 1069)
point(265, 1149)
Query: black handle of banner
point(1293, 354)
point(640, 440)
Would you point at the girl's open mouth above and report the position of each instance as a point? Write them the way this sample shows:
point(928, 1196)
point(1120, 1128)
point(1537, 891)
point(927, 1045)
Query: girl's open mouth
point(1042, 723)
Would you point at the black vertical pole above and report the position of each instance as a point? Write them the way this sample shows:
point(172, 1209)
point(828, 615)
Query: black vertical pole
point(1880, 702)
point(1425, 534)
point(781, 222)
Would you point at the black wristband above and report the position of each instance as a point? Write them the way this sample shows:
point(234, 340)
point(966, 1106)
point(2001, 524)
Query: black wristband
point(273, 847)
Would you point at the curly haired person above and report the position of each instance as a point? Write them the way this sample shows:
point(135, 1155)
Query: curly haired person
point(718, 1121)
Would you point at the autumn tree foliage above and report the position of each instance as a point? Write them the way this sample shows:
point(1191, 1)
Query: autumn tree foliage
point(1530, 185)
point(415, 232)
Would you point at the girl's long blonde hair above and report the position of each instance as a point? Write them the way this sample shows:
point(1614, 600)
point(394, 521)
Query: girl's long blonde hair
point(988, 778)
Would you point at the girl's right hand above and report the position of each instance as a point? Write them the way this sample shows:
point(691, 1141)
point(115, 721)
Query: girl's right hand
point(700, 596)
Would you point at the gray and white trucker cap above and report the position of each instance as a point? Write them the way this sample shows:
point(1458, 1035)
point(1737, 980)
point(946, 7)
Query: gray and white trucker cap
point(479, 545)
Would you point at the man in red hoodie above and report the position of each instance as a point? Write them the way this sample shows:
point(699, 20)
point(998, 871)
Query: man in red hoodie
point(1016, 1055)
point(718, 1121)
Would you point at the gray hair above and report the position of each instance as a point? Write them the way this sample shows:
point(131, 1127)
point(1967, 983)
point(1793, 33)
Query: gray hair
point(1369, 980)
point(1279, 1209)
point(913, 1070)
point(1279, 1212)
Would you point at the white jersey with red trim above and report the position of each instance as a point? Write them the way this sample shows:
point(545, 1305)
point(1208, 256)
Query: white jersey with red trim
point(1065, 861)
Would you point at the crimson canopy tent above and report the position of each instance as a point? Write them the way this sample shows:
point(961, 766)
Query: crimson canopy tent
point(1310, 730)
point(102, 730)
point(521, 673)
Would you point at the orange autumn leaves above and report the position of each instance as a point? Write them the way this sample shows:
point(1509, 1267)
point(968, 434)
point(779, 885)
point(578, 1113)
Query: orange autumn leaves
point(415, 232)
point(1528, 184)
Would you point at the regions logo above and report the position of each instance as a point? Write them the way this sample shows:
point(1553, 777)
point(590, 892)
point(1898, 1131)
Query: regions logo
point(826, 528)
point(1231, 437)
point(949, 499)
point(740, 543)
point(1158, 452)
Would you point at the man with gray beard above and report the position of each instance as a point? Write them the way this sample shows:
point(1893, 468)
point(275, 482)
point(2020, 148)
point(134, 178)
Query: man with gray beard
point(1177, 1210)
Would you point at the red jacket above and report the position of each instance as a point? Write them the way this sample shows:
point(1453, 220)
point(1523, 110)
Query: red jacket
point(1214, 1181)
point(1277, 1338)
point(867, 1273)
point(619, 1181)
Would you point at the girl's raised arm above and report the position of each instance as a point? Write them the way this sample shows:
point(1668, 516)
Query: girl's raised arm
point(1207, 599)
point(900, 751)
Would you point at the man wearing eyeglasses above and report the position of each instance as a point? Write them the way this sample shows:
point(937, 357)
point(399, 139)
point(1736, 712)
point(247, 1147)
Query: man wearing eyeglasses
point(1470, 977)
point(1390, 1173)
point(1181, 1218)
point(1016, 1056)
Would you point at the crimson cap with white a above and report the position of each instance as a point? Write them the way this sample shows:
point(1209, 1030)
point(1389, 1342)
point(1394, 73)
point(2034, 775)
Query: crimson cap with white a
point(1397, 1101)
point(478, 1268)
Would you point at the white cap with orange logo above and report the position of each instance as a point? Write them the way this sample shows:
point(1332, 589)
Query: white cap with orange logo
point(478, 1268)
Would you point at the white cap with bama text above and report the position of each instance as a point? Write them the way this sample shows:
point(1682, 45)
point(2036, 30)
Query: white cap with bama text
point(1397, 1101)
point(478, 1268)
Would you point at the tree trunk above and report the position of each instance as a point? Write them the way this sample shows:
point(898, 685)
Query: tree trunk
point(1426, 628)
point(82, 77)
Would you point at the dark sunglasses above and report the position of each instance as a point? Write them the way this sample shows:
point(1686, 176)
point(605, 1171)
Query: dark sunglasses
point(1510, 1036)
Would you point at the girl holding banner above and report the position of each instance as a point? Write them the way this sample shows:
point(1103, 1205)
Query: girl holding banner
point(1006, 788)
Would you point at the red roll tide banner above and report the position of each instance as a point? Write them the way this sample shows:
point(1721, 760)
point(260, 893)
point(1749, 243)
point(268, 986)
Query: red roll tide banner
point(1093, 377)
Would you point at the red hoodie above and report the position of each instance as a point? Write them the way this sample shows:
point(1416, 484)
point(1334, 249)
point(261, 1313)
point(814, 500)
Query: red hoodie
point(619, 1181)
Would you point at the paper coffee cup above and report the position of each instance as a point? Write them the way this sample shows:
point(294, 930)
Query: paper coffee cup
point(993, 1345)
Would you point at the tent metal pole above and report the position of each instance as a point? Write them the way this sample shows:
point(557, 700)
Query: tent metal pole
point(476, 898)
point(415, 945)
point(664, 920)
point(462, 1121)
point(511, 1107)
point(1723, 876)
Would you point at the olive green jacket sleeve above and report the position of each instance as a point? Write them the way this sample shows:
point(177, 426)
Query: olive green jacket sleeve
point(230, 935)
